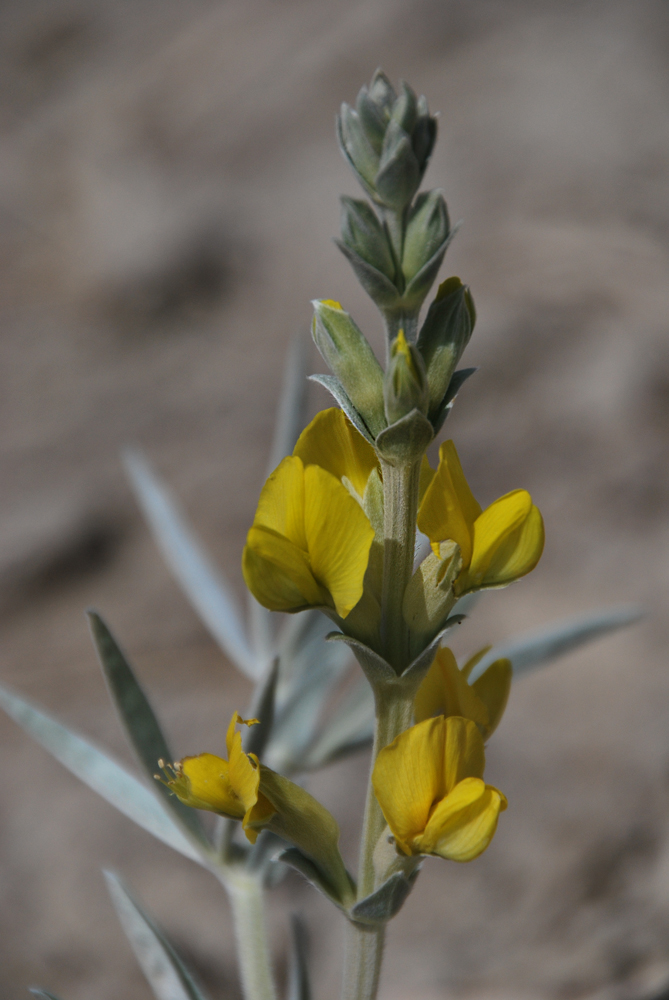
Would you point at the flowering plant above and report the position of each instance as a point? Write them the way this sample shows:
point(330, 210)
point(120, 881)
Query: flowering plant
point(377, 554)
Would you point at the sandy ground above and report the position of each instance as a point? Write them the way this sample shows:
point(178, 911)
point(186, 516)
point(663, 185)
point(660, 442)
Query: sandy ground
point(168, 194)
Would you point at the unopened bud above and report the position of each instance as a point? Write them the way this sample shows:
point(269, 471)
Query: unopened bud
point(388, 140)
point(444, 336)
point(344, 348)
point(362, 233)
point(428, 227)
point(405, 385)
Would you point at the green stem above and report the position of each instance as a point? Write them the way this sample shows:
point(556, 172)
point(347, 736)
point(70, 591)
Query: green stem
point(400, 499)
point(364, 953)
point(253, 954)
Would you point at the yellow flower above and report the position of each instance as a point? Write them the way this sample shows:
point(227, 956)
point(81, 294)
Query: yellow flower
point(332, 442)
point(498, 545)
point(429, 785)
point(310, 540)
point(445, 691)
point(227, 787)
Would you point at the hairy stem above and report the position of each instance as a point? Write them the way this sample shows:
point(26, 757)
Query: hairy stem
point(253, 954)
point(400, 499)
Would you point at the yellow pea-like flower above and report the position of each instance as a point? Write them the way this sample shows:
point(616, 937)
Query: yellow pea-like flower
point(445, 690)
point(429, 784)
point(332, 442)
point(498, 545)
point(310, 540)
point(227, 787)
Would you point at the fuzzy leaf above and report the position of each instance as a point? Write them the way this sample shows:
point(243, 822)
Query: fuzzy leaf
point(121, 789)
point(168, 977)
point(140, 723)
point(533, 649)
point(204, 585)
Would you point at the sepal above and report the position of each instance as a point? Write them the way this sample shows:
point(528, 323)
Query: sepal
point(365, 236)
point(428, 226)
point(429, 597)
point(313, 874)
point(443, 338)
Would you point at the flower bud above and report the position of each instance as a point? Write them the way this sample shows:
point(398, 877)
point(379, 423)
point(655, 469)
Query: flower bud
point(443, 338)
point(349, 356)
point(428, 227)
point(405, 385)
point(387, 140)
point(363, 234)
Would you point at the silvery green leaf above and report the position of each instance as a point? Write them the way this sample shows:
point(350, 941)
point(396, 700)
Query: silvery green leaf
point(121, 789)
point(140, 723)
point(382, 905)
point(334, 386)
point(167, 975)
point(350, 727)
point(262, 709)
point(43, 994)
point(205, 587)
point(299, 986)
point(533, 649)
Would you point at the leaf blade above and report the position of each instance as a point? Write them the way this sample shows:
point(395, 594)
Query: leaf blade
point(533, 649)
point(205, 587)
point(140, 723)
point(167, 975)
point(99, 771)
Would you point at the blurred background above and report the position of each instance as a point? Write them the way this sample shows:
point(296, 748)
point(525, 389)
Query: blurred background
point(169, 180)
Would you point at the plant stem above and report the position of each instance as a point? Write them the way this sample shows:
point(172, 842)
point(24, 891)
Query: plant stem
point(400, 499)
point(253, 954)
point(394, 709)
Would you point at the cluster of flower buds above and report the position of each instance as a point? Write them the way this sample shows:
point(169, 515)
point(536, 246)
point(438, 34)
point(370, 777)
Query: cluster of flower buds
point(397, 249)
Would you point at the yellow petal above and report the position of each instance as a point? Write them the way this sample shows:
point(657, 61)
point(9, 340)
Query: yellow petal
point(449, 510)
point(339, 537)
point(445, 691)
point(278, 573)
point(408, 778)
point(470, 506)
point(257, 817)
point(464, 756)
point(235, 721)
point(332, 442)
point(496, 524)
point(493, 689)
point(281, 502)
point(464, 823)
point(518, 554)
point(473, 660)
point(207, 785)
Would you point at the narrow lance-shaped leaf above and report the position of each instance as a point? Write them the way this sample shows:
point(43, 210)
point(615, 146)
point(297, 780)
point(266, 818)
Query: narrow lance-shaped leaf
point(99, 772)
point(140, 722)
point(204, 586)
point(167, 975)
point(535, 648)
point(43, 994)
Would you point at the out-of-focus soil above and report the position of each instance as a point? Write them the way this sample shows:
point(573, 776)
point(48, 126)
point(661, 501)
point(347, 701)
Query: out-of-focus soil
point(168, 193)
